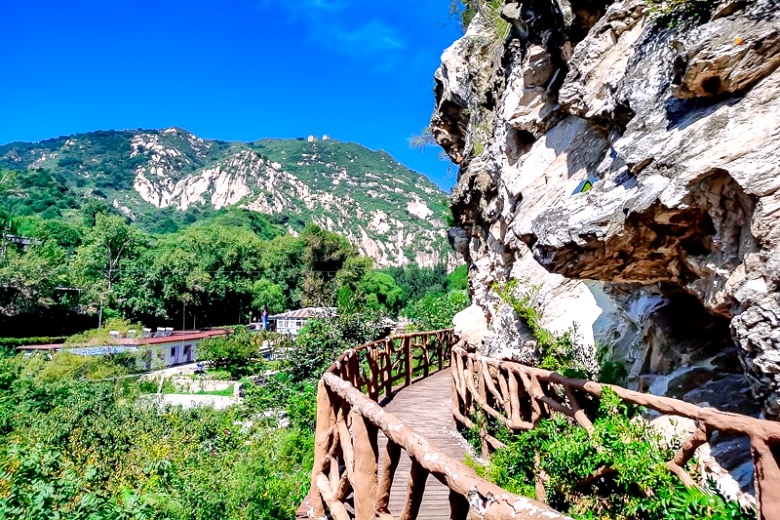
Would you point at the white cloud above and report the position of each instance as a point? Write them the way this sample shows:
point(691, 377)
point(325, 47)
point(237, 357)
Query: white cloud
point(337, 25)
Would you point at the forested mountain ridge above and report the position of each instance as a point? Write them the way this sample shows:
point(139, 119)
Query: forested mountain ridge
point(164, 179)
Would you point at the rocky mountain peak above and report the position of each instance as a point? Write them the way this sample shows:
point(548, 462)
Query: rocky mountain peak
point(391, 213)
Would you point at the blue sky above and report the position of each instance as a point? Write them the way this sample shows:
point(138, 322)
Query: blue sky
point(229, 69)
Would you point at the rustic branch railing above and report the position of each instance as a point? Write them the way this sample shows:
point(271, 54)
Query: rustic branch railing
point(519, 396)
point(346, 478)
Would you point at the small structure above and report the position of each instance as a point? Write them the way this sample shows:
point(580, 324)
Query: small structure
point(312, 138)
point(326, 137)
point(169, 347)
point(291, 322)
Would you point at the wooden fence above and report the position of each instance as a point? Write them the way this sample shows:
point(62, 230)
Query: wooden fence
point(347, 481)
point(519, 396)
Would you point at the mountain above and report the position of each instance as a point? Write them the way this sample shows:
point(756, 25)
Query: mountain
point(164, 178)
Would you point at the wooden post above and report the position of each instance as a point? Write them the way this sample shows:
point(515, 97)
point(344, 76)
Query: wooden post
point(482, 394)
point(391, 460)
point(455, 393)
point(426, 356)
point(767, 478)
point(440, 350)
point(326, 420)
point(407, 346)
point(366, 453)
point(388, 367)
point(372, 356)
point(459, 506)
point(416, 489)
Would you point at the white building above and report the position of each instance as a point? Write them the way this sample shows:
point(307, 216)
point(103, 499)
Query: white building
point(293, 321)
point(166, 349)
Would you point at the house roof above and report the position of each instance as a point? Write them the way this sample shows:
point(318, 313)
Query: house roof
point(308, 312)
point(176, 337)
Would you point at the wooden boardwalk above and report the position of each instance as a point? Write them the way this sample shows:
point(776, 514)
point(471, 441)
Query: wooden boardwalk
point(426, 407)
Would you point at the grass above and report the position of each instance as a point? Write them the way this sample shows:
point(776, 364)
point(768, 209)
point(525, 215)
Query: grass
point(227, 392)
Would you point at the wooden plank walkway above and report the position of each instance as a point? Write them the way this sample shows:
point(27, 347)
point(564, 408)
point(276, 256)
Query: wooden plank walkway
point(426, 407)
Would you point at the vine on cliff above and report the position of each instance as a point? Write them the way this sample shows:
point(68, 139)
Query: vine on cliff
point(559, 352)
point(672, 12)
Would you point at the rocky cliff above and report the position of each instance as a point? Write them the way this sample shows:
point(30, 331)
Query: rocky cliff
point(623, 167)
point(394, 215)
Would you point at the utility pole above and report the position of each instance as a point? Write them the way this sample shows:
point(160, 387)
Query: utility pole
point(100, 315)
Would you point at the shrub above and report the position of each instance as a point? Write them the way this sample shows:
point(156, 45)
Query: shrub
point(635, 483)
point(435, 311)
point(238, 352)
point(562, 352)
point(673, 11)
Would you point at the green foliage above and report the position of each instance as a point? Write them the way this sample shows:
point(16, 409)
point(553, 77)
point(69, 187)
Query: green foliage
point(416, 282)
point(75, 449)
point(611, 372)
point(29, 278)
point(634, 454)
point(672, 12)
point(557, 352)
point(238, 352)
point(64, 365)
point(321, 341)
point(317, 345)
point(435, 311)
point(458, 280)
point(35, 192)
point(102, 336)
point(267, 293)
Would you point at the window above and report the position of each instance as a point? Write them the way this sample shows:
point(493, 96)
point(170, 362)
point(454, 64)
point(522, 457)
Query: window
point(173, 351)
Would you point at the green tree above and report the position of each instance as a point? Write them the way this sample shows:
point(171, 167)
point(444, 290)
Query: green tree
point(105, 247)
point(317, 345)
point(458, 280)
point(238, 352)
point(380, 291)
point(435, 311)
point(265, 292)
point(29, 278)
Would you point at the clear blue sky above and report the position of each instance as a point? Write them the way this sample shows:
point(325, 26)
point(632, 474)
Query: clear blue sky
point(229, 69)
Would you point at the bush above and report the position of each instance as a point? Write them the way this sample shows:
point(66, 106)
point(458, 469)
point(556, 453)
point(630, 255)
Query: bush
point(672, 11)
point(321, 341)
point(636, 482)
point(563, 352)
point(78, 450)
point(435, 311)
point(238, 352)
point(317, 345)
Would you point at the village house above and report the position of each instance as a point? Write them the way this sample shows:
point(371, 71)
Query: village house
point(293, 321)
point(165, 348)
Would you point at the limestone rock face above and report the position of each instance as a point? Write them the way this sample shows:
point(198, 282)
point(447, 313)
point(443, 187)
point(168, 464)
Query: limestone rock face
point(626, 175)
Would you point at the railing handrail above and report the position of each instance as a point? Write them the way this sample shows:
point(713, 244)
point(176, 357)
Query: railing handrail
point(346, 450)
point(349, 419)
point(496, 385)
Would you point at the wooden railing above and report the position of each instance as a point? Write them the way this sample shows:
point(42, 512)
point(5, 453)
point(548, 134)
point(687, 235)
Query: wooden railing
point(519, 396)
point(385, 366)
point(346, 478)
